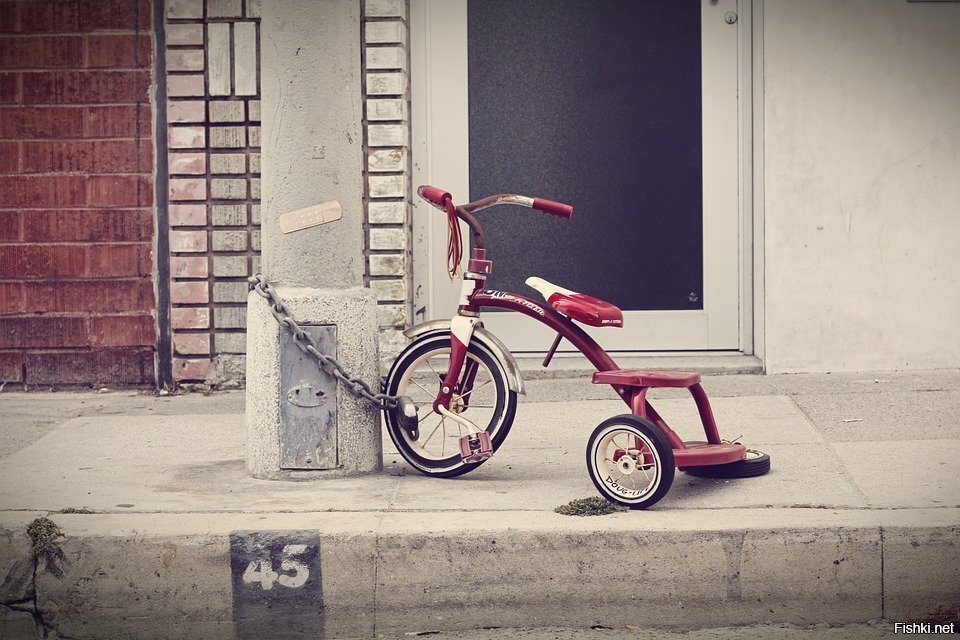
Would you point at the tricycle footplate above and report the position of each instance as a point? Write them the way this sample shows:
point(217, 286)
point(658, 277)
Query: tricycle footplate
point(700, 454)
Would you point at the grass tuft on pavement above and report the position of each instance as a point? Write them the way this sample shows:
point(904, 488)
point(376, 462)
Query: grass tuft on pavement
point(44, 534)
point(594, 506)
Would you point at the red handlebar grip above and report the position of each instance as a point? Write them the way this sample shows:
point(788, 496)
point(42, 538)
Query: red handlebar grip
point(434, 195)
point(553, 208)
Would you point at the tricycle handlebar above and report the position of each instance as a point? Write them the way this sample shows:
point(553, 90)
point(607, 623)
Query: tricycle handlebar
point(438, 198)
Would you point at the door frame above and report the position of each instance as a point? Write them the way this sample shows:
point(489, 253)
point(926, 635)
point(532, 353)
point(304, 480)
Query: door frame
point(427, 225)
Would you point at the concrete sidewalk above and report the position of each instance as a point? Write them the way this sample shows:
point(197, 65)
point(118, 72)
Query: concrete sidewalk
point(858, 520)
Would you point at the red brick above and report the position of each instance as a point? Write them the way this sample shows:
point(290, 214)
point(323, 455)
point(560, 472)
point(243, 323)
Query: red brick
point(40, 17)
point(40, 191)
point(185, 369)
point(105, 260)
point(11, 298)
point(187, 163)
point(184, 267)
point(123, 121)
point(186, 111)
point(146, 191)
point(184, 215)
point(8, 17)
point(20, 261)
point(133, 365)
point(145, 260)
point(186, 137)
point(188, 241)
point(87, 296)
point(188, 189)
point(11, 366)
point(40, 52)
point(184, 8)
point(185, 85)
point(189, 292)
point(88, 225)
point(189, 317)
point(83, 87)
point(10, 226)
point(10, 88)
point(122, 331)
point(126, 51)
point(87, 156)
point(42, 331)
point(119, 191)
point(41, 122)
point(125, 15)
point(185, 60)
point(191, 344)
point(184, 34)
point(9, 157)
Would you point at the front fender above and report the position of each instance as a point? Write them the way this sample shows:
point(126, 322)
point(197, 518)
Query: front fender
point(489, 340)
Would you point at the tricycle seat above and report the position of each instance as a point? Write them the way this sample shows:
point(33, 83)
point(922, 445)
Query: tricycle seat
point(647, 378)
point(578, 306)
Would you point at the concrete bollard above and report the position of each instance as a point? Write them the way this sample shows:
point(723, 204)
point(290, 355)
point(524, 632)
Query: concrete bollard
point(312, 153)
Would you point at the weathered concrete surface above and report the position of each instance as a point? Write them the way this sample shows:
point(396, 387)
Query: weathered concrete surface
point(312, 140)
point(402, 553)
point(904, 473)
point(877, 630)
point(353, 312)
point(168, 463)
point(391, 573)
point(921, 564)
point(17, 602)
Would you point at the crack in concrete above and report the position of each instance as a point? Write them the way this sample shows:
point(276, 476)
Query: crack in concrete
point(27, 604)
point(733, 550)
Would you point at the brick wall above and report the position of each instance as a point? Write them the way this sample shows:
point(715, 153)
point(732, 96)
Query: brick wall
point(213, 114)
point(387, 133)
point(76, 192)
point(213, 136)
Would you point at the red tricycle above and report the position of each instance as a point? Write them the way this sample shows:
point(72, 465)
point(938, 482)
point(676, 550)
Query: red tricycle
point(464, 382)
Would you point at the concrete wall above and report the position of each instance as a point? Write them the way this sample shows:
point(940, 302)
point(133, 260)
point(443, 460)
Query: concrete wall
point(862, 184)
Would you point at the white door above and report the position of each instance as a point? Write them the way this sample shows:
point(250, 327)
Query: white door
point(627, 111)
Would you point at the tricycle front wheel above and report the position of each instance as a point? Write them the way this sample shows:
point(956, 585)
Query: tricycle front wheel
point(630, 461)
point(490, 404)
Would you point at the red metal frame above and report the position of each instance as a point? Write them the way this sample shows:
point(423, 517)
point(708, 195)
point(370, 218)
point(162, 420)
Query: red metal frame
point(686, 453)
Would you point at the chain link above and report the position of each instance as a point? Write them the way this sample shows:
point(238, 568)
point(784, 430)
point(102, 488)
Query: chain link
point(305, 343)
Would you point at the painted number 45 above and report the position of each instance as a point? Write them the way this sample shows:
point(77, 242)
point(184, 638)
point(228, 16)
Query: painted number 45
point(293, 574)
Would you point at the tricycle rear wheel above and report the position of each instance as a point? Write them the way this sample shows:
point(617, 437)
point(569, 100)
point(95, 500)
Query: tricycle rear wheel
point(755, 464)
point(630, 461)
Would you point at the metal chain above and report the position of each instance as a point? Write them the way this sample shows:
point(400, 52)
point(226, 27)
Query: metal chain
point(306, 344)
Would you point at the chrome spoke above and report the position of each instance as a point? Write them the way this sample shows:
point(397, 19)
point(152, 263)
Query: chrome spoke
point(424, 443)
point(434, 370)
point(475, 388)
point(425, 390)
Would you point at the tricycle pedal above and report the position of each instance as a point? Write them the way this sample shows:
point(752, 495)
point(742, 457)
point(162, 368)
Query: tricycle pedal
point(475, 447)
